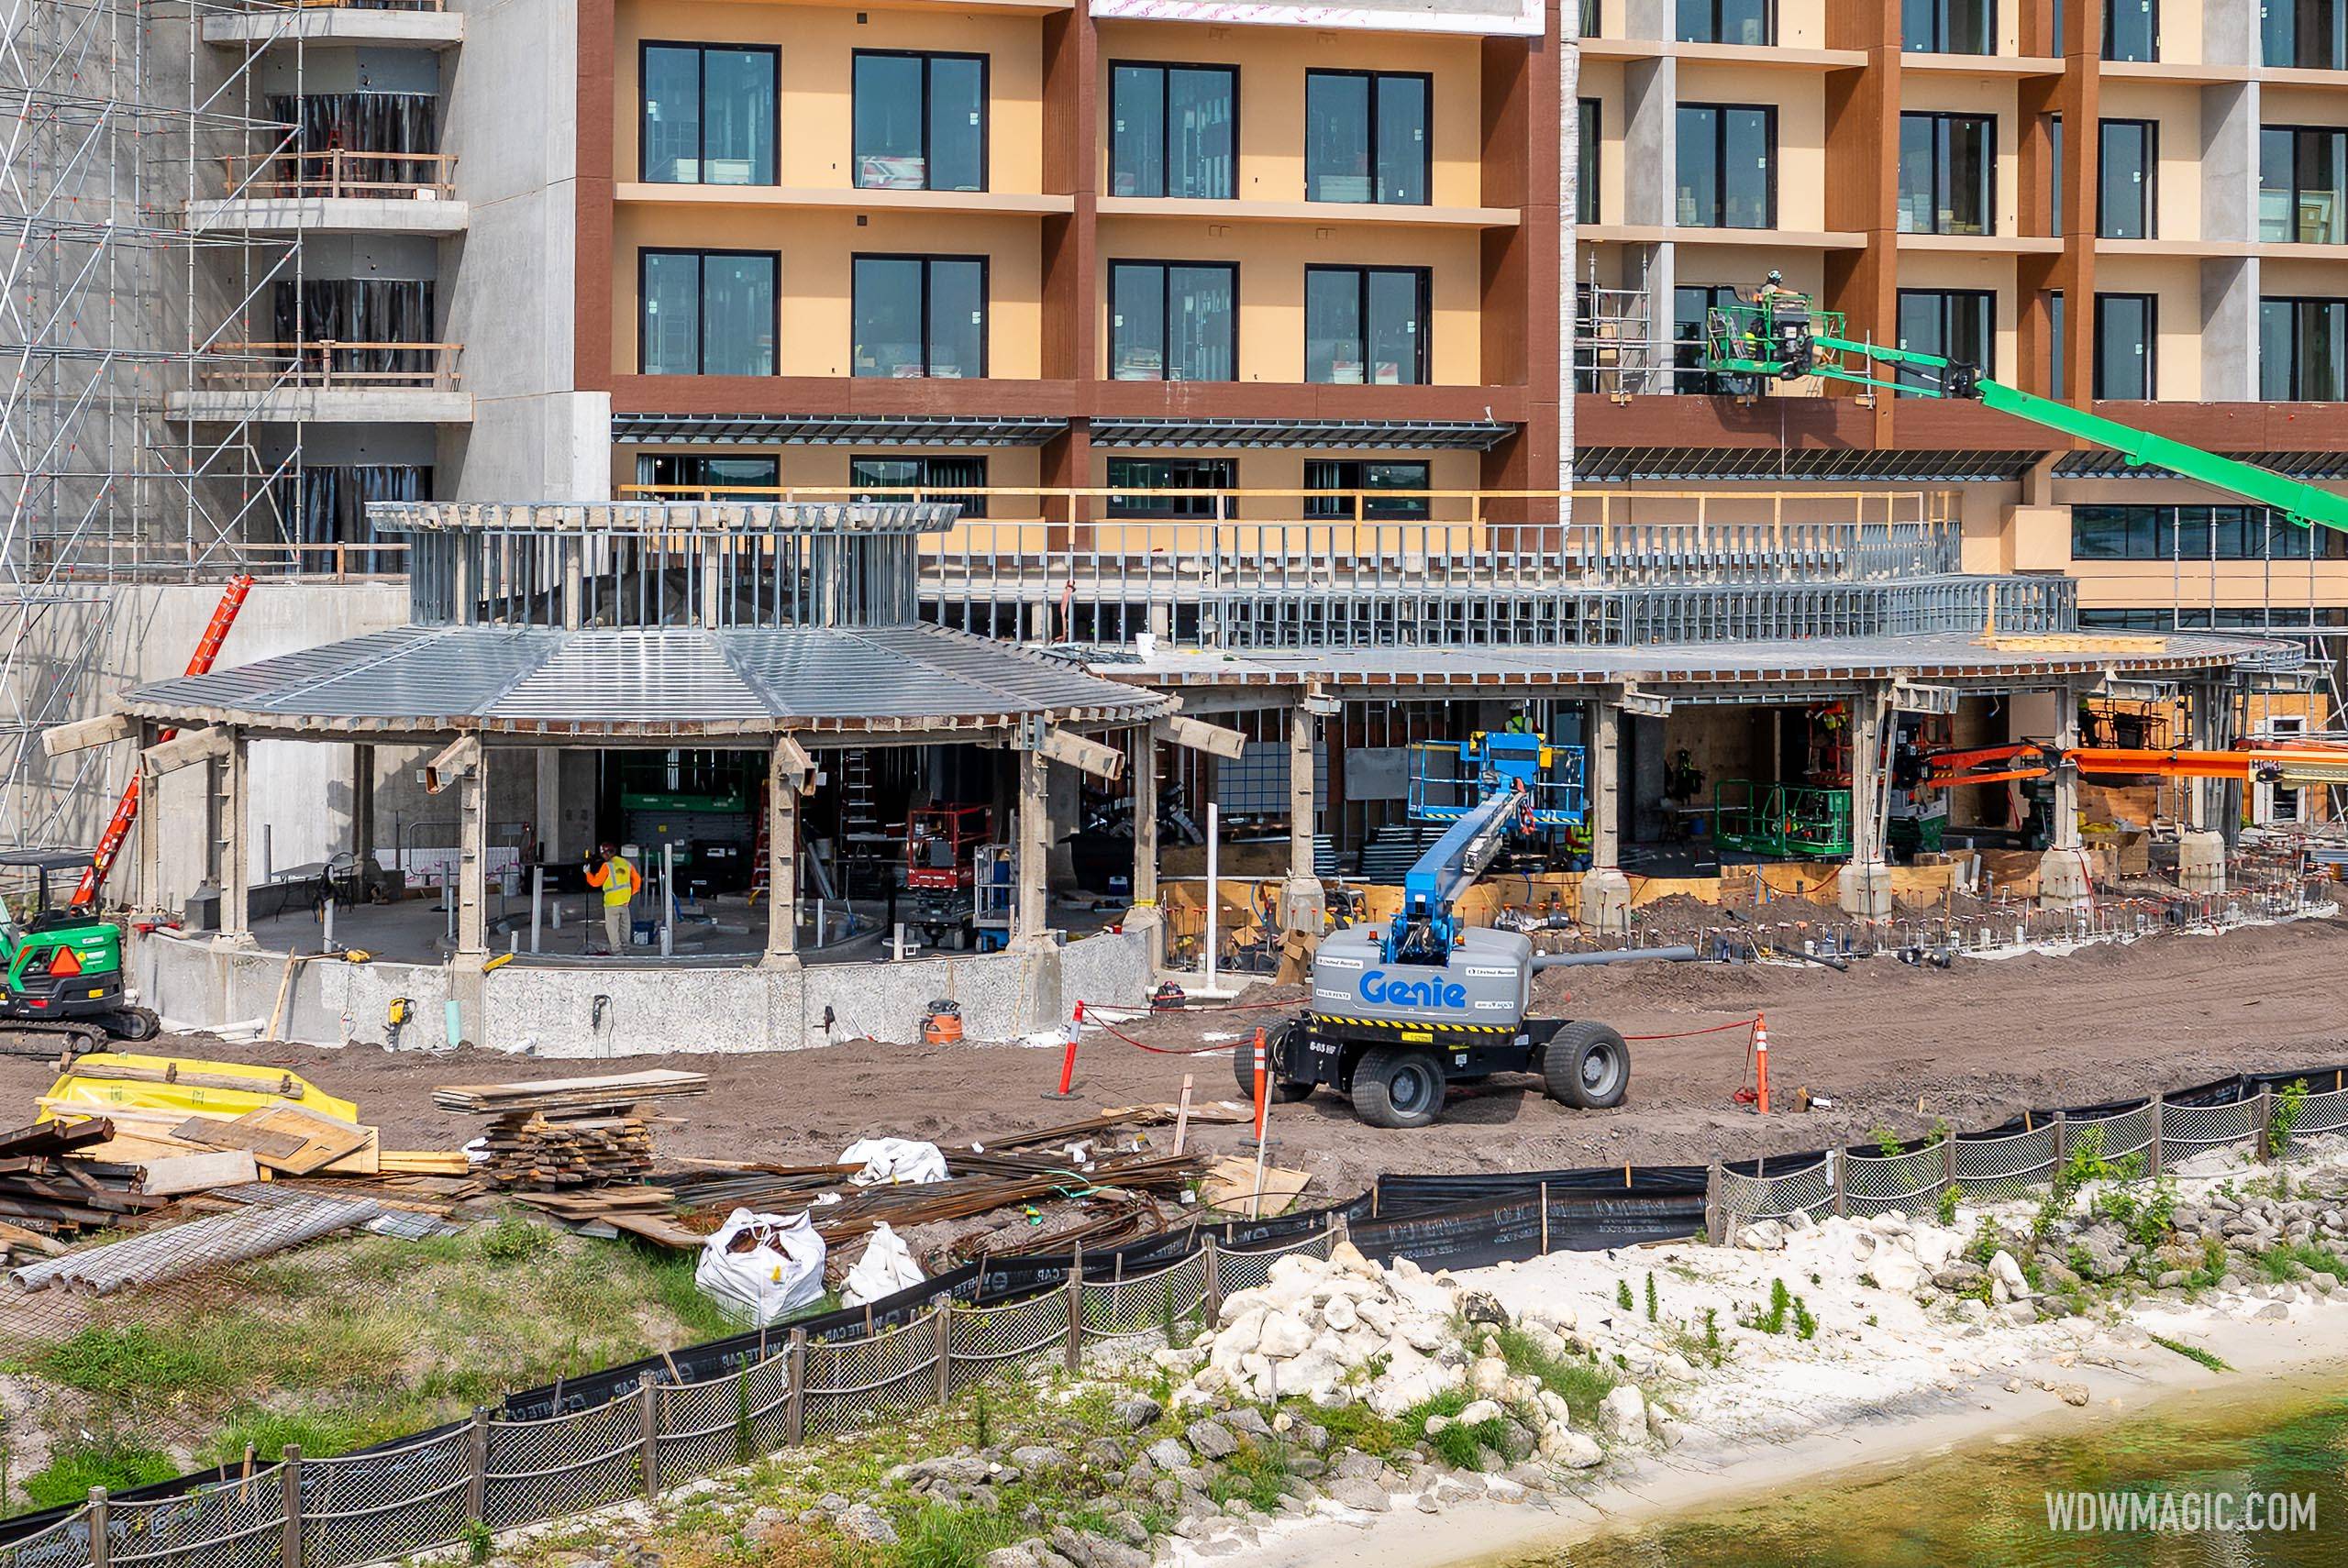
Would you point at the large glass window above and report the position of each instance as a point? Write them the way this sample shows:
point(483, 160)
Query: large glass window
point(2309, 35)
point(1362, 484)
point(1173, 321)
point(1586, 164)
point(709, 114)
point(1949, 26)
point(2303, 350)
point(2145, 532)
point(1366, 325)
point(920, 316)
point(2124, 331)
point(2303, 185)
point(1367, 135)
point(920, 121)
point(720, 479)
point(939, 479)
point(1955, 323)
point(1692, 305)
point(2125, 200)
point(1173, 130)
point(1728, 21)
point(1728, 166)
point(1948, 173)
point(706, 313)
point(1171, 473)
point(2054, 175)
point(2132, 29)
point(2055, 369)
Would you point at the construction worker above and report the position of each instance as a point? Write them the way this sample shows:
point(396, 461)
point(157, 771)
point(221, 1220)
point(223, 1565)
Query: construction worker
point(619, 880)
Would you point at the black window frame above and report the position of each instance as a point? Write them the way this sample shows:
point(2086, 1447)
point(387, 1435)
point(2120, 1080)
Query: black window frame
point(701, 92)
point(1187, 508)
point(1720, 165)
point(1354, 473)
point(1689, 379)
point(1941, 119)
point(2151, 345)
point(648, 464)
point(2151, 186)
point(1768, 26)
point(2224, 531)
point(1988, 364)
point(986, 114)
point(2296, 391)
point(2154, 37)
point(1940, 38)
point(1364, 272)
point(974, 506)
point(700, 313)
point(1166, 323)
point(1377, 171)
point(929, 336)
point(2340, 219)
point(1165, 122)
point(1589, 136)
point(2334, 50)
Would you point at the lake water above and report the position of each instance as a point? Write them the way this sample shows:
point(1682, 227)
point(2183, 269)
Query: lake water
point(1987, 1504)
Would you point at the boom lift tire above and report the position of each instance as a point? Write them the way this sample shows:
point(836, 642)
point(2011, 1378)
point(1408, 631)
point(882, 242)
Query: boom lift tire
point(1587, 1065)
point(1243, 1068)
point(1397, 1085)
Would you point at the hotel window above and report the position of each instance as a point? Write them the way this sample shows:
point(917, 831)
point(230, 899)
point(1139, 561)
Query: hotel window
point(1590, 18)
point(1948, 173)
point(1173, 131)
point(2303, 350)
point(706, 313)
point(920, 316)
point(2309, 35)
point(938, 478)
point(1728, 21)
point(1692, 304)
point(1362, 482)
point(721, 479)
point(2302, 184)
point(2152, 533)
point(1367, 135)
point(1948, 27)
point(709, 114)
point(1366, 325)
point(1173, 321)
point(2125, 333)
point(920, 121)
point(1728, 155)
point(2132, 29)
point(2054, 176)
point(1171, 473)
point(1955, 323)
point(2128, 157)
point(1586, 164)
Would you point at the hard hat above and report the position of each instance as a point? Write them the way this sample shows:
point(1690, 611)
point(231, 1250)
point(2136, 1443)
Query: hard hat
point(1775, 276)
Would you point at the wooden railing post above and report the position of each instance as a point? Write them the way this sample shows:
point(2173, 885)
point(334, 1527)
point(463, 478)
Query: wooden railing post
point(648, 1395)
point(288, 1483)
point(2062, 1151)
point(2261, 1131)
point(477, 1477)
point(101, 1548)
point(1076, 1312)
point(1835, 1179)
point(1544, 1219)
point(941, 1312)
point(794, 1409)
point(1212, 1286)
point(1715, 1222)
point(2158, 1100)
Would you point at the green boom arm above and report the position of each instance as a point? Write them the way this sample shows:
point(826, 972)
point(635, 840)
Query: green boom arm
point(1770, 340)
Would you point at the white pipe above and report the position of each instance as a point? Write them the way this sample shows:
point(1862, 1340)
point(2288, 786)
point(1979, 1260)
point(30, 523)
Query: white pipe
point(327, 916)
point(537, 902)
point(667, 898)
point(1214, 861)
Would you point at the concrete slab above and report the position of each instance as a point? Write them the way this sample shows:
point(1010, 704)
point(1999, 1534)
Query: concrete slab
point(328, 406)
point(333, 214)
point(426, 29)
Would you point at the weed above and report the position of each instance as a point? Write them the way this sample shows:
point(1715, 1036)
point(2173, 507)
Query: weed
point(478, 1541)
point(1457, 1446)
point(980, 1420)
point(939, 1536)
point(2079, 1262)
point(1259, 1474)
point(1580, 1384)
point(2295, 1260)
point(268, 1433)
point(2288, 1106)
point(1772, 1322)
point(1623, 1294)
point(76, 1466)
point(2209, 1359)
point(513, 1240)
point(1651, 1296)
point(1945, 1208)
point(1805, 1323)
point(1888, 1143)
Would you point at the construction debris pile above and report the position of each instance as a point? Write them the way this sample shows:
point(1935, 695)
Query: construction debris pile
point(46, 1192)
point(569, 1132)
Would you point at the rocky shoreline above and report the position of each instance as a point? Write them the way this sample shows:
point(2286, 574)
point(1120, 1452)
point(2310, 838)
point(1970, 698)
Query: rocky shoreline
point(1343, 1396)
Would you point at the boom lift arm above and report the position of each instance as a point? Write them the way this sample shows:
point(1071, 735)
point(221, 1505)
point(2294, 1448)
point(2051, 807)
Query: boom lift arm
point(2288, 766)
point(1427, 925)
point(1780, 335)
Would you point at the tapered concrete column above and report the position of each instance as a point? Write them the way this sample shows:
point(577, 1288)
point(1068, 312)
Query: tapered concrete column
point(1142, 773)
point(2063, 879)
point(782, 860)
point(1864, 886)
point(2201, 850)
point(363, 815)
point(150, 890)
point(574, 593)
point(1303, 907)
point(1034, 847)
point(473, 860)
point(1605, 891)
point(236, 893)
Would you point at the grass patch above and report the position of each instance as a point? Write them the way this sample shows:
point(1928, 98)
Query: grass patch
point(2209, 1359)
point(75, 1467)
point(940, 1536)
point(1258, 1472)
point(1580, 1384)
point(2295, 1260)
point(1458, 1446)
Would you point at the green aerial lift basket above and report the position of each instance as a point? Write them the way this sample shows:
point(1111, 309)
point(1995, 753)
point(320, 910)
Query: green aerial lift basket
point(1781, 821)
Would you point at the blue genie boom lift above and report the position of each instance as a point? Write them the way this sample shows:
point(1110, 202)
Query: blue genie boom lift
point(1398, 1013)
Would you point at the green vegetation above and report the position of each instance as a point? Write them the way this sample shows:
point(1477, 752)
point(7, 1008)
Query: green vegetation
point(110, 1461)
point(1888, 1143)
point(2209, 1359)
point(1582, 1382)
point(2295, 1260)
point(1623, 1294)
point(939, 1536)
point(2289, 1105)
point(1457, 1446)
point(1258, 1472)
point(1944, 1207)
point(1652, 1304)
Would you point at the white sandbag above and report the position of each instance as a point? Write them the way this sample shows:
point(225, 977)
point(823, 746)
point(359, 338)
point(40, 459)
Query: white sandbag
point(886, 1267)
point(893, 1162)
point(778, 1268)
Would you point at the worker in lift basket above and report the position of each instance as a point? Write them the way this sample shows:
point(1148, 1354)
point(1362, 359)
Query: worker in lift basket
point(618, 877)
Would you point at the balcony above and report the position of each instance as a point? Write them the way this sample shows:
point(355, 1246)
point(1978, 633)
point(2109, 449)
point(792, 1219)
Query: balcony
point(328, 382)
point(412, 23)
point(336, 192)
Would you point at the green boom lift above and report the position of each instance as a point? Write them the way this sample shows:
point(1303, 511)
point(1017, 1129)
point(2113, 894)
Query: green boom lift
point(1780, 336)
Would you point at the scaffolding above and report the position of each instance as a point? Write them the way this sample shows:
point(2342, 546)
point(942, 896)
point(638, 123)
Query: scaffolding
point(116, 118)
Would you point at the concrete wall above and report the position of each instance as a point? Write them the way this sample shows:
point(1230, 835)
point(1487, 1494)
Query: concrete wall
point(553, 1012)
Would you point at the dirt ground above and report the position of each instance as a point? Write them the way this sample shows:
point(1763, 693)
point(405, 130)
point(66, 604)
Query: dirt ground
point(1890, 1045)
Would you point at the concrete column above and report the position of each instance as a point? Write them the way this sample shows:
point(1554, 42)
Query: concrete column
point(1865, 884)
point(2229, 288)
point(2063, 879)
point(782, 865)
point(236, 893)
point(712, 577)
point(546, 812)
point(2201, 850)
point(362, 813)
point(1031, 917)
point(1143, 776)
point(1605, 891)
point(1064, 816)
point(473, 860)
point(150, 889)
point(574, 575)
point(1303, 907)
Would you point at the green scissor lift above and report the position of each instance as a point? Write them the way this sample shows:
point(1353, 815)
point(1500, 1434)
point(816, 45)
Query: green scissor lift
point(1781, 821)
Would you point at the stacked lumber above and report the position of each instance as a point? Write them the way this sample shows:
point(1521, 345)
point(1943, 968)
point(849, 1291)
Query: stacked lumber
point(531, 1150)
point(48, 1189)
point(610, 1092)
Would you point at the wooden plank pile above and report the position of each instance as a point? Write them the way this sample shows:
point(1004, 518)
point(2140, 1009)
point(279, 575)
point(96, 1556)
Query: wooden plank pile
point(561, 1134)
point(46, 1189)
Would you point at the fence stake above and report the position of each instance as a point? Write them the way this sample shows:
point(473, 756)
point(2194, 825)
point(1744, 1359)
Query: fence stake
point(1544, 1219)
point(1213, 1283)
point(1076, 1312)
point(794, 1409)
point(945, 1324)
point(2263, 1132)
point(2055, 1171)
point(1712, 1227)
point(1835, 1179)
point(649, 1406)
point(100, 1547)
point(477, 1482)
point(288, 1480)
point(1340, 1232)
point(2158, 1101)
